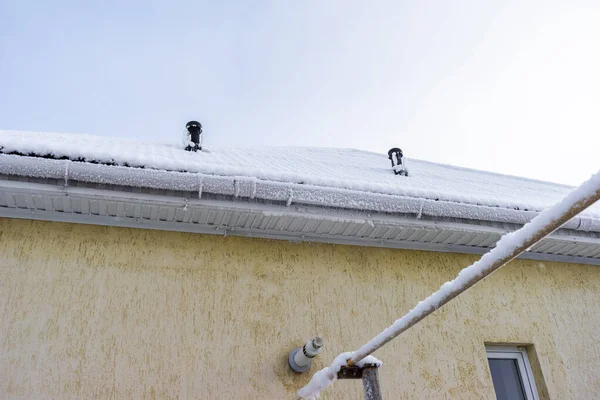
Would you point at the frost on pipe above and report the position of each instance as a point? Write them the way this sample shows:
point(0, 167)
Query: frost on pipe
point(507, 248)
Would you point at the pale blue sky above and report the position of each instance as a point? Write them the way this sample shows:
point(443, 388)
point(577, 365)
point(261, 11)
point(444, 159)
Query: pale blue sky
point(506, 86)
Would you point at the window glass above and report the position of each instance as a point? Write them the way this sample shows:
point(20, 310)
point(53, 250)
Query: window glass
point(507, 380)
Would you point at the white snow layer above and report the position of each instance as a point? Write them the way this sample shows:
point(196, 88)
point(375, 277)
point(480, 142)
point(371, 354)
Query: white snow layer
point(505, 246)
point(353, 179)
point(326, 376)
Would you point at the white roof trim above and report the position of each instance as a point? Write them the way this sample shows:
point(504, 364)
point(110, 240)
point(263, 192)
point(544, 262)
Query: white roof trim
point(295, 223)
point(253, 188)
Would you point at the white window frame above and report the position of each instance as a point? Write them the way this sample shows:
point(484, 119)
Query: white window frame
point(520, 354)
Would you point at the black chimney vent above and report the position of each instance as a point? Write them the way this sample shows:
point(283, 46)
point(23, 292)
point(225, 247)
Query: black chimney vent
point(397, 158)
point(194, 129)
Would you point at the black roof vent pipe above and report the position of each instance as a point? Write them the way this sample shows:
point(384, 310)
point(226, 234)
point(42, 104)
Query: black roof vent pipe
point(397, 158)
point(194, 136)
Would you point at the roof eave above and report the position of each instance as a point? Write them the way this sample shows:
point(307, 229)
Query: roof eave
point(294, 222)
point(253, 188)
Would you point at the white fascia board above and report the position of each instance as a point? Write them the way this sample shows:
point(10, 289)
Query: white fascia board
point(248, 187)
point(296, 210)
point(303, 212)
point(300, 211)
point(269, 234)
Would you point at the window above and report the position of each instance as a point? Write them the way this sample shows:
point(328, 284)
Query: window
point(511, 373)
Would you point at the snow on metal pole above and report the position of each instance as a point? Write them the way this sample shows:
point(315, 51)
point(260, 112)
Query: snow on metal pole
point(508, 247)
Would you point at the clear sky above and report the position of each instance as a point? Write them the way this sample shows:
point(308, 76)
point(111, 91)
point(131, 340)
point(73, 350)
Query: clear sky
point(505, 86)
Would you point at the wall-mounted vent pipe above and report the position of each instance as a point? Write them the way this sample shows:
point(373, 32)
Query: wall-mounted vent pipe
point(194, 135)
point(397, 158)
point(300, 359)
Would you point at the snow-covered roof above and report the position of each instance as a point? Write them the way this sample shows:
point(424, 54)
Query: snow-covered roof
point(343, 196)
point(346, 169)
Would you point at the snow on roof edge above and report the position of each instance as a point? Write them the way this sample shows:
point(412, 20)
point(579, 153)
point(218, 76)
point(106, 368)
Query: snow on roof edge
point(352, 170)
point(240, 187)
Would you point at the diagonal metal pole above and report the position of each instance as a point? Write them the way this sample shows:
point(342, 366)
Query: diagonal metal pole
point(580, 199)
point(509, 247)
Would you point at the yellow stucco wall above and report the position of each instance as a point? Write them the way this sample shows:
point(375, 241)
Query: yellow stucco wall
point(116, 313)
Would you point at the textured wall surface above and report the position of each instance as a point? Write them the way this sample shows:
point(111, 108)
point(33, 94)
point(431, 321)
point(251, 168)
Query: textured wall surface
point(116, 313)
